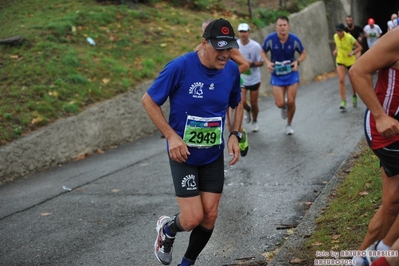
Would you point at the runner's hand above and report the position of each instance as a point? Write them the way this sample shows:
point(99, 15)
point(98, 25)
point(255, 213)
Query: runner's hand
point(294, 65)
point(387, 126)
point(178, 150)
point(234, 149)
point(270, 67)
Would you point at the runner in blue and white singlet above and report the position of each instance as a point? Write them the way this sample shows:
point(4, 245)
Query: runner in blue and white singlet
point(283, 66)
point(282, 55)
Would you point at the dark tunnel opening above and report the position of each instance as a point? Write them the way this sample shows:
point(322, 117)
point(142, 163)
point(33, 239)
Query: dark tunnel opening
point(380, 11)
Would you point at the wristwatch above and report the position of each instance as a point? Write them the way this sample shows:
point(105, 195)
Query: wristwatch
point(237, 134)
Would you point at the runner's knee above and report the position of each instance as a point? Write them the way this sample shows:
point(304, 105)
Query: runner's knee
point(191, 222)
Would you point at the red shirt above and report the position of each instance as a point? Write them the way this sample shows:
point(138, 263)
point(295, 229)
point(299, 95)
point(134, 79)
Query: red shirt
point(387, 91)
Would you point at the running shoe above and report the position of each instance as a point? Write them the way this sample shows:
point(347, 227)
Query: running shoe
point(289, 130)
point(369, 259)
point(255, 127)
point(284, 112)
point(244, 145)
point(360, 261)
point(354, 100)
point(163, 244)
point(342, 106)
point(247, 116)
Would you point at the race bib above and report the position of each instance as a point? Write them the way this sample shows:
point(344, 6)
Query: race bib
point(282, 68)
point(373, 34)
point(203, 132)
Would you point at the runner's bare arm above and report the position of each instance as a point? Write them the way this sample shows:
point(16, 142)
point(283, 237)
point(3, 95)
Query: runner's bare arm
point(269, 64)
point(232, 142)
point(178, 149)
point(237, 57)
point(384, 53)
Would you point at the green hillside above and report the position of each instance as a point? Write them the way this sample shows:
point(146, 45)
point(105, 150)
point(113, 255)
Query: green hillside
point(56, 73)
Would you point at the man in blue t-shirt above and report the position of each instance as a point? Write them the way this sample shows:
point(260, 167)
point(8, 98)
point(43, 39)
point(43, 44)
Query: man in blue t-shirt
point(200, 86)
point(284, 67)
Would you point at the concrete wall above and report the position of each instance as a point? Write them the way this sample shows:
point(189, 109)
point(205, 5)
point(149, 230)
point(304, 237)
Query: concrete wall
point(123, 118)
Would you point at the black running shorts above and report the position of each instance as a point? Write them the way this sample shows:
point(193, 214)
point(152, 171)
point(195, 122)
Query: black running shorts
point(252, 87)
point(389, 158)
point(190, 180)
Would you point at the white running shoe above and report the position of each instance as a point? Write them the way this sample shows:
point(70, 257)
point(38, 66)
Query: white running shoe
point(289, 130)
point(255, 127)
point(163, 244)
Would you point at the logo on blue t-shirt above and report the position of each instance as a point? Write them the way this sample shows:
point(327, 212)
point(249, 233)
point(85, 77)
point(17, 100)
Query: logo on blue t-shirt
point(196, 89)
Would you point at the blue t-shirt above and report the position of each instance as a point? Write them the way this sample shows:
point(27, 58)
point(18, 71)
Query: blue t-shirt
point(282, 51)
point(195, 90)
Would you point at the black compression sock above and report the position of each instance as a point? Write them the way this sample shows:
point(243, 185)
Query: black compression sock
point(198, 239)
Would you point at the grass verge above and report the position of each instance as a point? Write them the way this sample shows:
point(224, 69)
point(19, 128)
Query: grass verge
point(343, 223)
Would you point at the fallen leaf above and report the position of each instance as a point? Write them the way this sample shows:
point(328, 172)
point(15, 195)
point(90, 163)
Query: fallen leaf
point(296, 261)
point(81, 189)
point(290, 231)
point(99, 151)
point(317, 243)
point(163, 45)
point(45, 214)
point(116, 190)
point(81, 157)
point(335, 237)
point(106, 81)
point(36, 120)
point(53, 93)
point(363, 193)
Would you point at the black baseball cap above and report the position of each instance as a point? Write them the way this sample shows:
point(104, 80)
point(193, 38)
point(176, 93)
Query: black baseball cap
point(220, 34)
point(340, 27)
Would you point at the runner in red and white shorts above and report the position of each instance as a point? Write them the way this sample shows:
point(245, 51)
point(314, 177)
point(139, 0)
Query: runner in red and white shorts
point(382, 133)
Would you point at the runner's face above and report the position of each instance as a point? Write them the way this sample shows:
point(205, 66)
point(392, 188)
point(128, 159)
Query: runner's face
point(349, 22)
point(244, 36)
point(340, 33)
point(216, 58)
point(282, 26)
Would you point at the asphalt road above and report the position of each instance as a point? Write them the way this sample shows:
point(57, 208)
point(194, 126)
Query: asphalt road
point(108, 216)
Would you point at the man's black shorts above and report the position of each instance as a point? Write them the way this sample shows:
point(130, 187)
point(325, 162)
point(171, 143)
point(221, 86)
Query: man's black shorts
point(389, 158)
point(189, 180)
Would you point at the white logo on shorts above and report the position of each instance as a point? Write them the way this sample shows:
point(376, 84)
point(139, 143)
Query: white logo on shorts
point(189, 182)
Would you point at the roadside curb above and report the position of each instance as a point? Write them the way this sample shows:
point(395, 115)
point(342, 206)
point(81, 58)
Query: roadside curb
point(293, 246)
